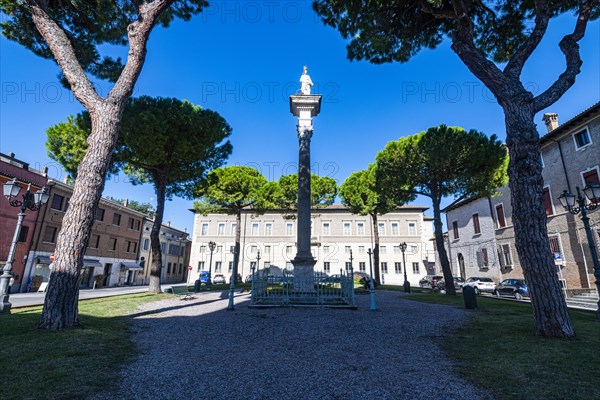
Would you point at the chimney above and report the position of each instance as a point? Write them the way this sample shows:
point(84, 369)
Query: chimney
point(551, 121)
point(45, 171)
point(126, 202)
point(11, 154)
point(66, 179)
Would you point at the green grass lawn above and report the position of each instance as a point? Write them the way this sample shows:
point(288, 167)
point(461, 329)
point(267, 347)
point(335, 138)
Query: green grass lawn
point(68, 364)
point(498, 351)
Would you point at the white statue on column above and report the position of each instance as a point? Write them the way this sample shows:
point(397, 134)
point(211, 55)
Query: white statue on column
point(305, 82)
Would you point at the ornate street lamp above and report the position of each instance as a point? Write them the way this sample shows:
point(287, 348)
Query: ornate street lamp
point(403, 247)
point(211, 246)
point(568, 201)
point(372, 284)
point(352, 278)
point(29, 202)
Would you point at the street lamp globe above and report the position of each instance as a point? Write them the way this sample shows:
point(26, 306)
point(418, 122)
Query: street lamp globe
point(592, 192)
point(41, 196)
point(11, 189)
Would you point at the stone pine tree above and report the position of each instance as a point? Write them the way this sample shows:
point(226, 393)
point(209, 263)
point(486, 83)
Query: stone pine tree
point(361, 193)
point(169, 143)
point(439, 163)
point(72, 33)
point(494, 40)
point(231, 190)
point(323, 191)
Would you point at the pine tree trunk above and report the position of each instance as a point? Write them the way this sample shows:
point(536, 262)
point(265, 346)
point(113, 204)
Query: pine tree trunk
point(529, 220)
point(60, 304)
point(441, 249)
point(156, 266)
point(377, 276)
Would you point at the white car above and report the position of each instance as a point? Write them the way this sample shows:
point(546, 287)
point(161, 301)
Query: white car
point(481, 284)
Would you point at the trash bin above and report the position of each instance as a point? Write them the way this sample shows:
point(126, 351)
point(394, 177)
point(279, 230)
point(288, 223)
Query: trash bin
point(197, 286)
point(469, 297)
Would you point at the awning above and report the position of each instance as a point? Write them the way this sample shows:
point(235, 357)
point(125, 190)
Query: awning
point(91, 263)
point(130, 265)
point(43, 260)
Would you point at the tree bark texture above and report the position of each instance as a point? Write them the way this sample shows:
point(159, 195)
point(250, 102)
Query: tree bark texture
point(441, 249)
point(156, 267)
point(377, 276)
point(60, 304)
point(529, 221)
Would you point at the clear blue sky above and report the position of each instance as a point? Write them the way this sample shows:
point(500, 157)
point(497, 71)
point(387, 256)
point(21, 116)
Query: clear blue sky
point(244, 58)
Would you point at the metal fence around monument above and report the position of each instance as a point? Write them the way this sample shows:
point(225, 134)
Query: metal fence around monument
point(316, 290)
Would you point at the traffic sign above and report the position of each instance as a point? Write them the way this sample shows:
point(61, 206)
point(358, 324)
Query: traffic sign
point(52, 257)
point(190, 267)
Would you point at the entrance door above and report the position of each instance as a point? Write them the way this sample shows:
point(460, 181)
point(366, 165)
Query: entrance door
point(107, 269)
point(461, 266)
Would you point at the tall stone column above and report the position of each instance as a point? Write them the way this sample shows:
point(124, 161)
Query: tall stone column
point(305, 107)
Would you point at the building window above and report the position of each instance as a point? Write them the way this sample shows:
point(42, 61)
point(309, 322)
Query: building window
point(57, 202)
point(325, 228)
point(582, 138)
point(131, 246)
point(146, 243)
point(218, 266)
point(99, 214)
point(384, 269)
point(267, 250)
point(414, 249)
point(134, 224)
point(221, 229)
point(590, 177)
point(500, 215)
point(268, 229)
point(348, 265)
point(412, 229)
point(163, 247)
point(362, 266)
point(348, 249)
point(383, 250)
point(361, 249)
point(360, 228)
point(23, 234)
point(200, 266)
point(397, 250)
point(116, 219)
point(347, 229)
point(476, 226)
point(254, 229)
point(482, 258)
point(415, 267)
point(327, 266)
point(94, 241)
point(381, 227)
point(202, 249)
point(267, 264)
point(288, 250)
point(397, 268)
point(168, 268)
point(395, 230)
point(253, 249)
point(230, 267)
point(289, 228)
point(326, 249)
point(113, 245)
point(233, 229)
point(204, 230)
point(180, 268)
point(455, 229)
point(548, 201)
point(505, 257)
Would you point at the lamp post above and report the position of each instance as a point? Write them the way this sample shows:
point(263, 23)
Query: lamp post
point(372, 284)
point(592, 192)
point(352, 278)
point(30, 202)
point(254, 273)
point(211, 247)
point(403, 247)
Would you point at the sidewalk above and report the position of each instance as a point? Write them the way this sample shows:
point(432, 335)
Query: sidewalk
point(37, 299)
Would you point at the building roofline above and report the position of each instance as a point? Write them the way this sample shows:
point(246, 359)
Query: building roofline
point(576, 120)
point(330, 208)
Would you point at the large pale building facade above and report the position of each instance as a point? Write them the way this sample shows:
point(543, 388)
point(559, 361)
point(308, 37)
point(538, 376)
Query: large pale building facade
point(335, 233)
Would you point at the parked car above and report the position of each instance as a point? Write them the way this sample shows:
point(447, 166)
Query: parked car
point(458, 283)
point(204, 278)
point(248, 279)
point(219, 279)
point(430, 281)
point(516, 288)
point(481, 284)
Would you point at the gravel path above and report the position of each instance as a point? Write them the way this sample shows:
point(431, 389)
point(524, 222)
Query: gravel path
point(195, 349)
